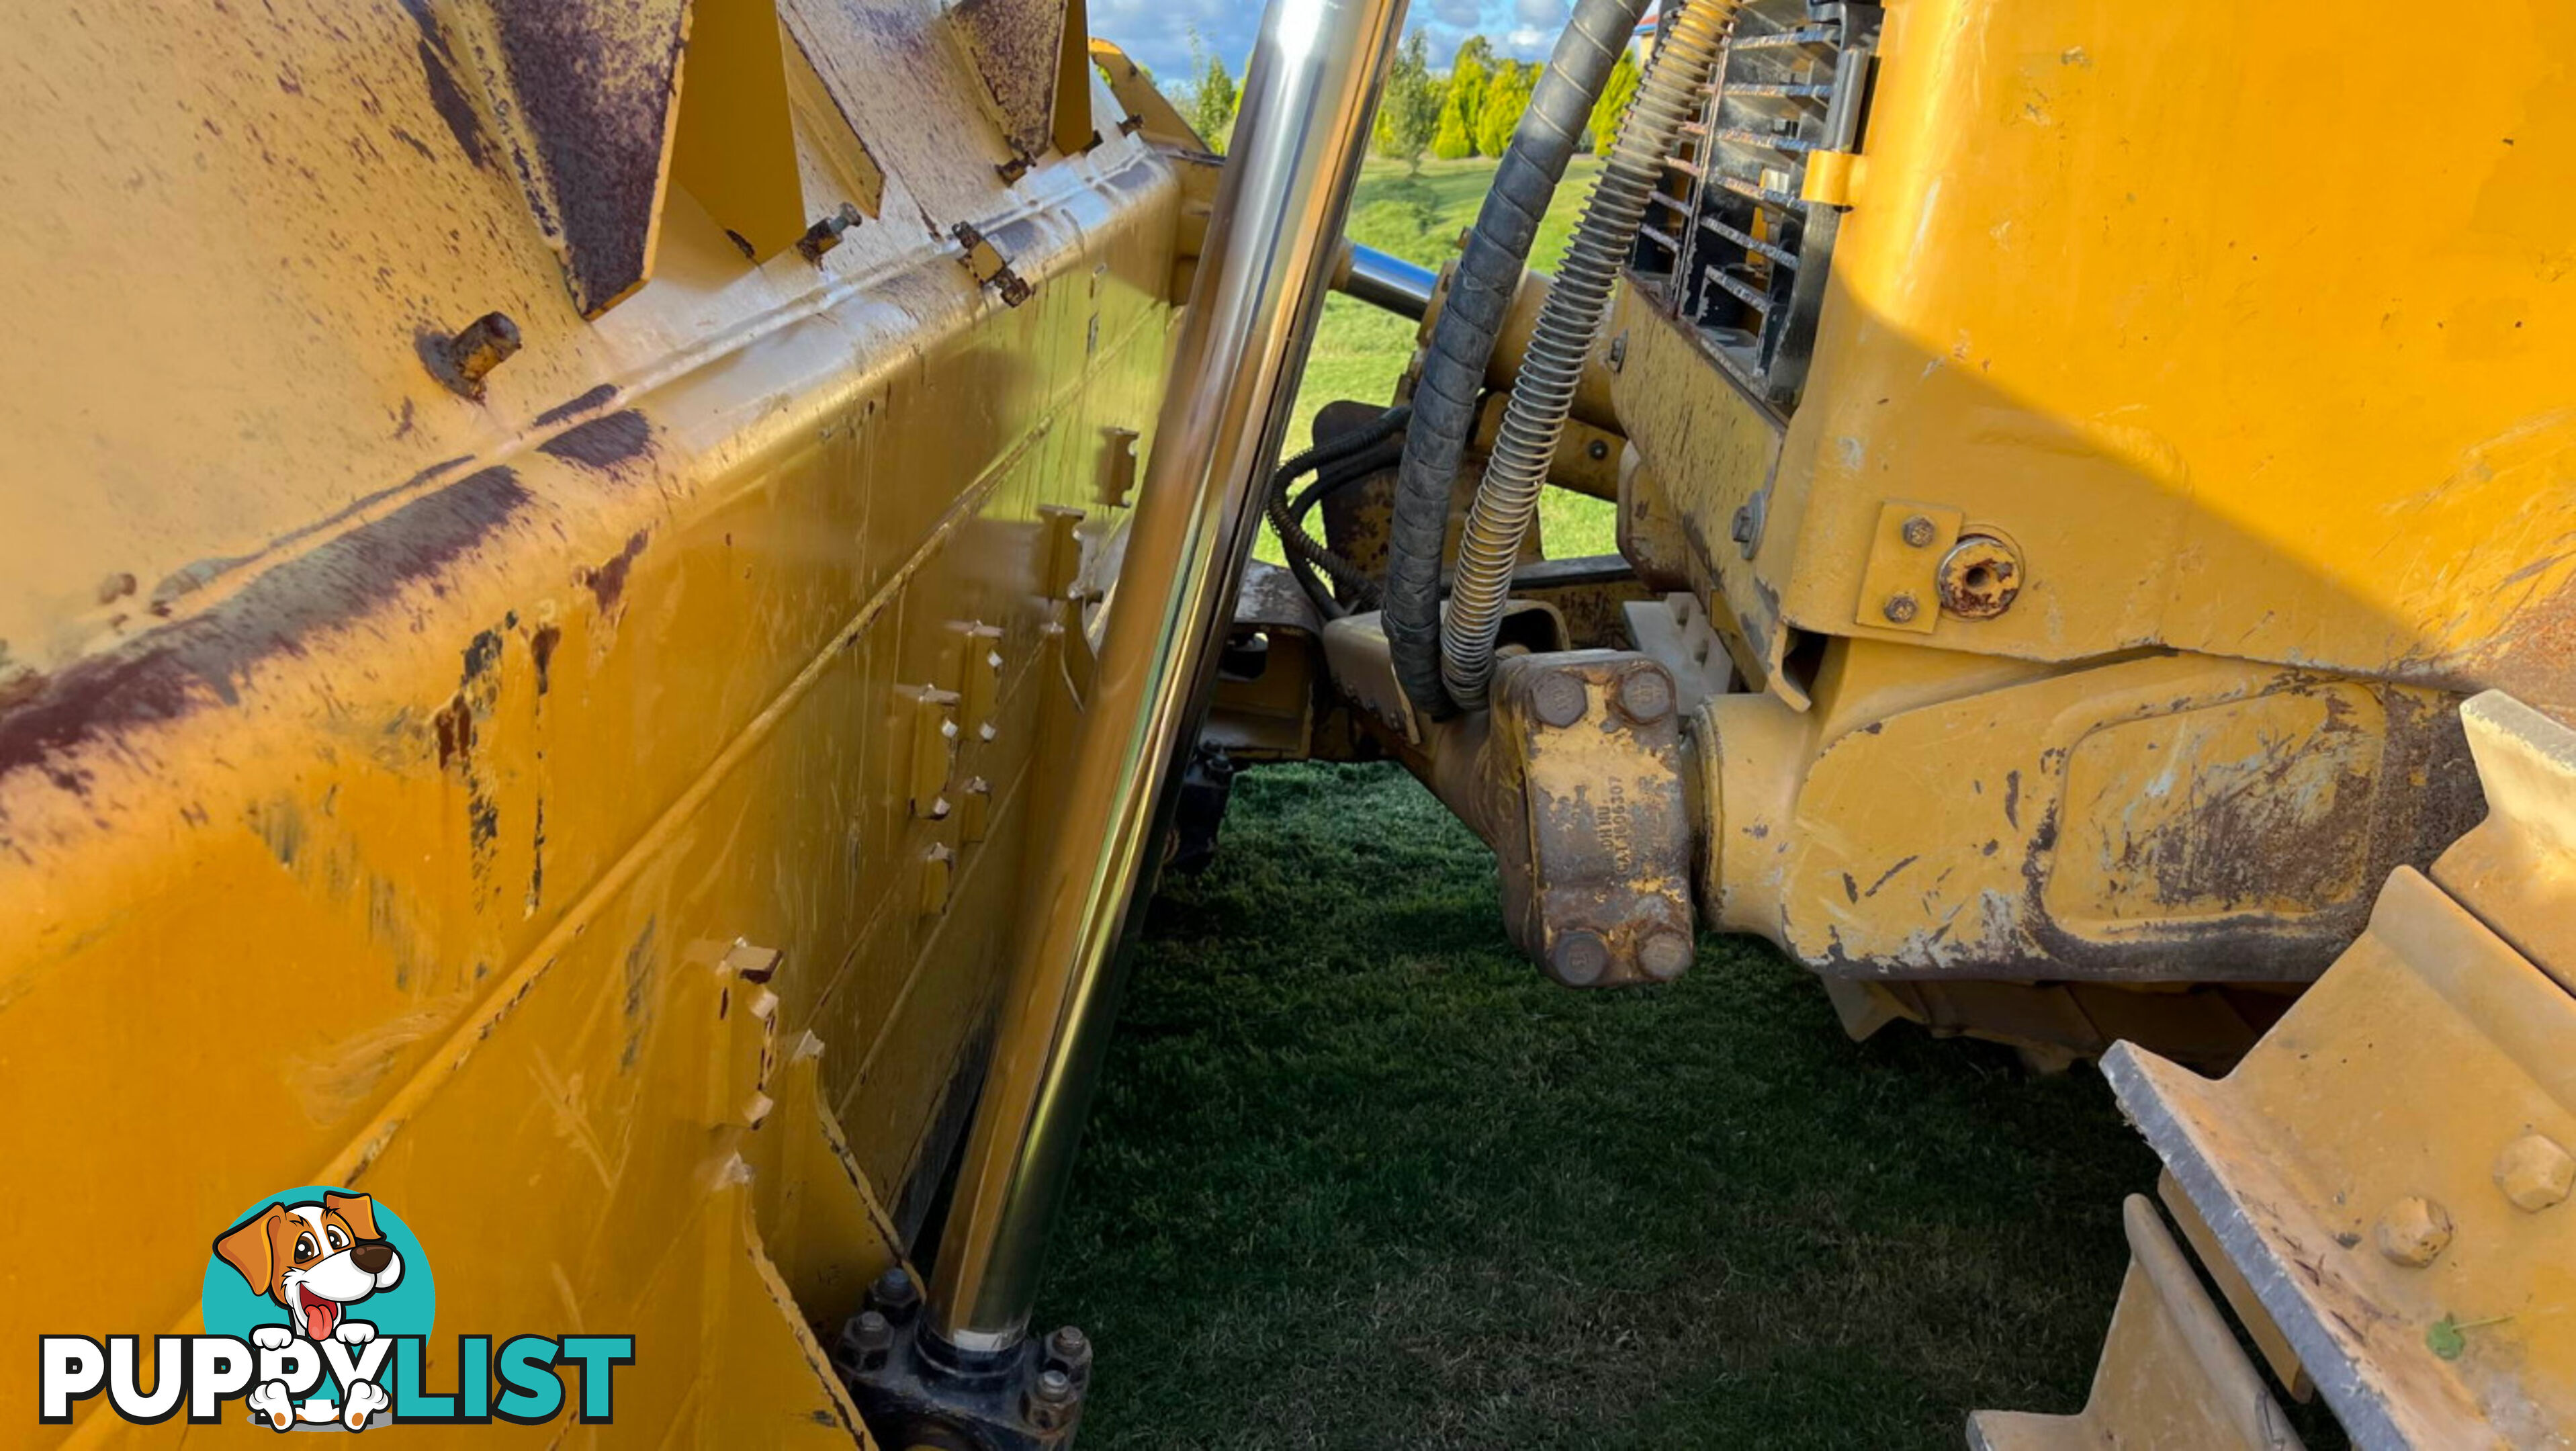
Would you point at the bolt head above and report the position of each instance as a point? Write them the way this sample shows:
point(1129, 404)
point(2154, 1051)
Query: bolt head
point(2413, 1232)
point(1900, 608)
point(2535, 1172)
point(871, 1338)
point(1054, 1386)
point(1596, 451)
point(1665, 955)
point(1618, 355)
point(1979, 577)
point(1559, 699)
point(1579, 957)
point(1645, 695)
point(1919, 531)
point(894, 1292)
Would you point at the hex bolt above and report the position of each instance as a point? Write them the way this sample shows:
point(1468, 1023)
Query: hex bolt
point(2535, 1172)
point(1899, 608)
point(894, 1293)
point(1051, 1401)
point(871, 1339)
point(1645, 696)
point(1918, 531)
point(1579, 957)
point(825, 235)
point(1665, 955)
point(1618, 356)
point(2413, 1232)
point(1560, 699)
point(1069, 1350)
point(486, 343)
point(1740, 528)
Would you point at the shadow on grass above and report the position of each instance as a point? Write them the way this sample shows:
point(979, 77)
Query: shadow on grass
point(1359, 1177)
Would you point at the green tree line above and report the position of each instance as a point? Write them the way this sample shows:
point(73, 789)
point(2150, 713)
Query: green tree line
point(1471, 110)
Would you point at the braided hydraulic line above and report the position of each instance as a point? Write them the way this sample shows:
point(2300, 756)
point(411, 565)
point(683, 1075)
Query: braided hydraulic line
point(1569, 325)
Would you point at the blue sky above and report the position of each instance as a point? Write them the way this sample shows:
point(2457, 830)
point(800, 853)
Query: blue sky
point(1157, 32)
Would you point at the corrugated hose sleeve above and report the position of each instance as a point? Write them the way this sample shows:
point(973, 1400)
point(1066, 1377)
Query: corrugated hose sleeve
point(1569, 325)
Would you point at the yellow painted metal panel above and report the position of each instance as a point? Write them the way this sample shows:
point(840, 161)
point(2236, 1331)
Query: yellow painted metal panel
point(2246, 358)
point(397, 817)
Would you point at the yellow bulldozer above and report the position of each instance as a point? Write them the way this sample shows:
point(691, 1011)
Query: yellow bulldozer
point(611, 605)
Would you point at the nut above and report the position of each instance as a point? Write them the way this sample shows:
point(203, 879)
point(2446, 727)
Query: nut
point(1645, 695)
point(1559, 699)
point(1579, 958)
point(1918, 531)
point(1051, 1401)
point(2413, 1232)
point(1979, 577)
point(1900, 608)
point(1618, 356)
point(869, 1339)
point(2534, 1172)
point(1665, 955)
point(894, 1293)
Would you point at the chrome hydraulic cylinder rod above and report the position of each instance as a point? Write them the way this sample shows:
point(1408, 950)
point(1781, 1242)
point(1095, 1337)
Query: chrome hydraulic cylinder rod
point(1385, 281)
point(1272, 243)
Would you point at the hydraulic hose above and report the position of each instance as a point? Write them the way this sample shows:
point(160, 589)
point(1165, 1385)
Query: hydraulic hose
point(1306, 554)
point(1569, 325)
point(1462, 342)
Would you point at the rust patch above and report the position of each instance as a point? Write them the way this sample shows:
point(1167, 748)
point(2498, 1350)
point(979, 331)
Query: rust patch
point(454, 726)
point(608, 582)
point(594, 90)
point(177, 669)
point(537, 860)
point(607, 444)
point(1016, 44)
point(481, 654)
point(541, 648)
point(570, 409)
point(438, 66)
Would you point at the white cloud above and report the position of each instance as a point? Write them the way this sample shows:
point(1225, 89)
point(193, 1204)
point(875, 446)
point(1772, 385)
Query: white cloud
point(1157, 32)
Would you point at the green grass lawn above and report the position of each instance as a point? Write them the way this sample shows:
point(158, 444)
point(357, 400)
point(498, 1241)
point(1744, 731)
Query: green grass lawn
point(1360, 1177)
point(1359, 351)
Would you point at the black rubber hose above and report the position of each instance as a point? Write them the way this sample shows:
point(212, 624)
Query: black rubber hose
point(1462, 343)
point(1336, 458)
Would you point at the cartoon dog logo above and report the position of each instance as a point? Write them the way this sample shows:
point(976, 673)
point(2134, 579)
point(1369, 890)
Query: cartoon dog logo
point(315, 1261)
